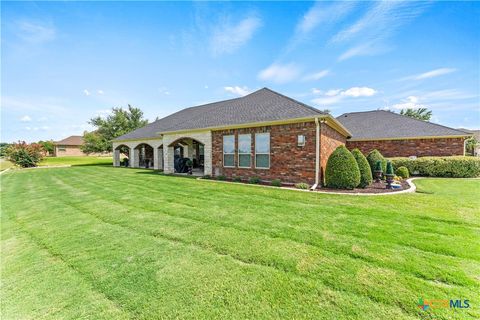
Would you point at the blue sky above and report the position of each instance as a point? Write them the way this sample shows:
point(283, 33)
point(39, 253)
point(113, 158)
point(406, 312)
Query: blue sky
point(65, 62)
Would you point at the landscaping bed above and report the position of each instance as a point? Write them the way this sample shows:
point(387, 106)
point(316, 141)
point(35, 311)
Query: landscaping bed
point(375, 187)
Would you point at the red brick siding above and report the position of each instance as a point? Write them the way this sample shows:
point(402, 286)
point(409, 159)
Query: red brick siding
point(288, 162)
point(330, 139)
point(411, 147)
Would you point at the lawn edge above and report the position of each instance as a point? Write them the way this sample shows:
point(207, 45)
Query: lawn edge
point(412, 188)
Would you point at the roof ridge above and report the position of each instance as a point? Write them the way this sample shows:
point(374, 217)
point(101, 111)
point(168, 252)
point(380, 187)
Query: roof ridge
point(426, 121)
point(291, 99)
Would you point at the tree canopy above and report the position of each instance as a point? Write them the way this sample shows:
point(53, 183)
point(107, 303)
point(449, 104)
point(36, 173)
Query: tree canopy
point(419, 113)
point(119, 122)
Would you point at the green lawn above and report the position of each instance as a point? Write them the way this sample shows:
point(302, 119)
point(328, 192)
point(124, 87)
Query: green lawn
point(112, 243)
point(5, 164)
point(76, 161)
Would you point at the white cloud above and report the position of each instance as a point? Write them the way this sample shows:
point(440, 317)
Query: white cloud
point(103, 113)
point(35, 32)
point(359, 92)
point(42, 119)
point(43, 128)
point(316, 75)
point(164, 90)
point(321, 14)
point(364, 49)
point(280, 73)
point(206, 87)
point(431, 74)
point(100, 92)
point(239, 91)
point(369, 33)
point(333, 96)
point(86, 92)
point(26, 118)
point(228, 38)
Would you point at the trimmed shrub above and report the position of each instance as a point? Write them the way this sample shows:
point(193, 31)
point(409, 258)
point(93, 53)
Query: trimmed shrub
point(221, 178)
point(254, 180)
point(372, 159)
point(450, 167)
point(402, 172)
point(342, 170)
point(207, 177)
point(302, 185)
point(389, 170)
point(237, 179)
point(364, 167)
point(25, 155)
point(276, 183)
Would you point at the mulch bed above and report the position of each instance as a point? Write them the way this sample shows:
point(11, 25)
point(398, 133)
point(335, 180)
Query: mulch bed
point(373, 188)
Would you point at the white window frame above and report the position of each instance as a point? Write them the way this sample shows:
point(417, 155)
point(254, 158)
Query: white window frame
point(62, 147)
point(223, 150)
point(269, 147)
point(249, 153)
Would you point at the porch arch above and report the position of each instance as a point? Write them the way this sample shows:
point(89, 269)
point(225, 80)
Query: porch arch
point(120, 150)
point(143, 155)
point(184, 148)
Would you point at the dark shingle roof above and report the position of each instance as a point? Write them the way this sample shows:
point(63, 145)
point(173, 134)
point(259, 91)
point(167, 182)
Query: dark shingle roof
point(381, 124)
point(71, 141)
point(259, 106)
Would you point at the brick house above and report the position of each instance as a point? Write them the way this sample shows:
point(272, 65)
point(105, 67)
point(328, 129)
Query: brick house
point(69, 146)
point(263, 134)
point(395, 135)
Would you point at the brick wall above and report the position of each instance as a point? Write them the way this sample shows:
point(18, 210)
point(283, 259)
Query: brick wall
point(411, 147)
point(288, 162)
point(69, 151)
point(330, 139)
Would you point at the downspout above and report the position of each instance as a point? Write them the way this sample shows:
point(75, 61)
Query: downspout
point(317, 154)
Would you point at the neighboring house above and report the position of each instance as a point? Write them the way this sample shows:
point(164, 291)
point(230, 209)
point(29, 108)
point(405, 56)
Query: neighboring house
point(475, 134)
point(395, 135)
point(263, 134)
point(68, 147)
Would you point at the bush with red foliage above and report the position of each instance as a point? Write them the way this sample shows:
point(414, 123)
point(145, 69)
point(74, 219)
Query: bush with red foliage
point(25, 155)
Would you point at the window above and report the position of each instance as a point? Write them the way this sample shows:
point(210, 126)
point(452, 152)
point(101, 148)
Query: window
point(262, 150)
point(62, 148)
point(244, 150)
point(300, 140)
point(229, 151)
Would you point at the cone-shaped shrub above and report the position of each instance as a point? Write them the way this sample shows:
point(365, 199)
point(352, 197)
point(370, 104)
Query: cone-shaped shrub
point(342, 170)
point(389, 170)
point(365, 171)
point(372, 159)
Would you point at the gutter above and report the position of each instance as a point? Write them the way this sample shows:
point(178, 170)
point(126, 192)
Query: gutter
point(317, 154)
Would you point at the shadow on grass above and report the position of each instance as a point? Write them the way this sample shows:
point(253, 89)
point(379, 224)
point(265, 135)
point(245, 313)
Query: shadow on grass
point(159, 172)
point(93, 165)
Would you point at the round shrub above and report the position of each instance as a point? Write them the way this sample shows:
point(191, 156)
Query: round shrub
point(276, 183)
point(237, 179)
point(372, 159)
point(342, 170)
point(221, 178)
point(402, 172)
point(302, 185)
point(365, 171)
point(254, 180)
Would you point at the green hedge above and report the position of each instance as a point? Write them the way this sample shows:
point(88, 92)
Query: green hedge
point(342, 170)
point(454, 167)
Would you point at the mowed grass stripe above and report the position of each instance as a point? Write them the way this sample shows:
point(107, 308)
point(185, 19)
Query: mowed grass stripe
point(97, 213)
point(58, 230)
point(42, 283)
point(397, 218)
point(63, 184)
point(430, 260)
point(147, 200)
